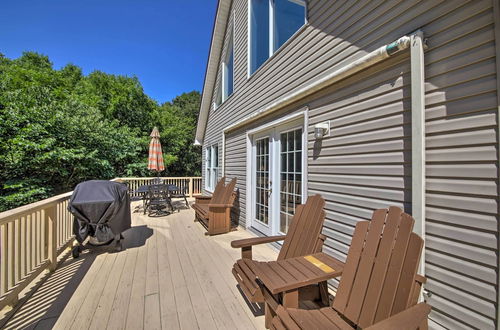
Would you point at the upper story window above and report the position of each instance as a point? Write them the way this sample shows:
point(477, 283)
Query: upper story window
point(226, 74)
point(272, 23)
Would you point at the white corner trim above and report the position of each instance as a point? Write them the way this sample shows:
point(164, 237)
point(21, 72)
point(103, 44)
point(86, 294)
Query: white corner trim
point(223, 154)
point(496, 15)
point(418, 137)
point(248, 199)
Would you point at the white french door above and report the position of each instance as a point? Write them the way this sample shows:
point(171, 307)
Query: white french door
point(277, 176)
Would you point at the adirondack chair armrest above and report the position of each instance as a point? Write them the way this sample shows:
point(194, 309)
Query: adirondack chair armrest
point(410, 319)
point(420, 279)
point(202, 199)
point(247, 243)
point(219, 205)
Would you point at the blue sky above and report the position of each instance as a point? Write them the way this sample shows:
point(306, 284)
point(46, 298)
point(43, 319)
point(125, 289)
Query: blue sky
point(163, 42)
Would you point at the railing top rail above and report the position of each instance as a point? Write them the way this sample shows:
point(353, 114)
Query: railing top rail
point(161, 177)
point(10, 215)
point(13, 214)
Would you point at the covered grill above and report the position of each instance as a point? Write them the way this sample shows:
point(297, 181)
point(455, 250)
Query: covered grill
point(102, 211)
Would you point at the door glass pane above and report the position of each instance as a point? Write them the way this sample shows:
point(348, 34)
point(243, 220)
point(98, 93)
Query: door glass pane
point(298, 140)
point(283, 142)
point(290, 177)
point(290, 141)
point(262, 181)
point(289, 16)
point(259, 33)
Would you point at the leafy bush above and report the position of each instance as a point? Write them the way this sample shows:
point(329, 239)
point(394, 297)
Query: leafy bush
point(59, 127)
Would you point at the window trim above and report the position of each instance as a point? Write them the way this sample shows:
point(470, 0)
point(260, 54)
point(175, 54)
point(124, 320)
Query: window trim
point(224, 83)
point(272, 52)
point(213, 168)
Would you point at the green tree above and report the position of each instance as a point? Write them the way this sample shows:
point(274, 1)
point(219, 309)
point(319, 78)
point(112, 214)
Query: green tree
point(177, 123)
point(60, 127)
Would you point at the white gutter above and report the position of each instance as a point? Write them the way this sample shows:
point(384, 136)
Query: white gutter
point(368, 60)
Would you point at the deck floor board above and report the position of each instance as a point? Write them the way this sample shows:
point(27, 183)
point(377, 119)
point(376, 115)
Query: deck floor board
point(169, 276)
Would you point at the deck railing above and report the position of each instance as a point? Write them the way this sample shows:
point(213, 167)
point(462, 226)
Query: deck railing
point(34, 235)
point(191, 185)
point(31, 238)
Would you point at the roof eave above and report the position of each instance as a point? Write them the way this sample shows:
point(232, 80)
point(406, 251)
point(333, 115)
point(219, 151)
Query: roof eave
point(216, 45)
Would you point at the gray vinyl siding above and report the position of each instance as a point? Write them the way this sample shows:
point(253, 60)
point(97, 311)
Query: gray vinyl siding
point(366, 162)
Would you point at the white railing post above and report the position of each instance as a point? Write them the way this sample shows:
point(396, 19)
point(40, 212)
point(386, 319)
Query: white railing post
point(4, 285)
point(190, 187)
point(51, 225)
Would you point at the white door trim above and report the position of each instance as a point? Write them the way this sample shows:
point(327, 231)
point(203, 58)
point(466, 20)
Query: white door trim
point(266, 229)
point(302, 114)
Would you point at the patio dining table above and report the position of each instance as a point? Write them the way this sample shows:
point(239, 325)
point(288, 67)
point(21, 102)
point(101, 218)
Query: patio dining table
point(144, 189)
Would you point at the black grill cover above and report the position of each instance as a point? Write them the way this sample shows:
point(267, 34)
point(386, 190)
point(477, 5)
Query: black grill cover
point(101, 209)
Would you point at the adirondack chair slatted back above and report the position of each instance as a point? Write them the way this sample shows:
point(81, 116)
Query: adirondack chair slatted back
point(219, 190)
point(380, 268)
point(226, 195)
point(304, 230)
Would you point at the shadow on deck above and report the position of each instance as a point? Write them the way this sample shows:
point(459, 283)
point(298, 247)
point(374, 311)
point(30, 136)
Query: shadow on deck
point(170, 275)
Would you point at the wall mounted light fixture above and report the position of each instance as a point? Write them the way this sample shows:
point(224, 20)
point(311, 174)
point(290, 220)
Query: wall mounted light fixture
point(322, 129)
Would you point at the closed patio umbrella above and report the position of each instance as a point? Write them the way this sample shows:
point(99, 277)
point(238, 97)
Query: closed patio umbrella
point(155, 154)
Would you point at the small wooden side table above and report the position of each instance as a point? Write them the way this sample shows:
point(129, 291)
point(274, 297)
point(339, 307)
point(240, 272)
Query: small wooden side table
point(287, 276)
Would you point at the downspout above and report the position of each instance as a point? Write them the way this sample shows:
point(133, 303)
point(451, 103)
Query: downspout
point(418, 137)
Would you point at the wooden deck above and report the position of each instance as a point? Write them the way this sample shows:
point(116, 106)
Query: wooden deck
point(170, 276)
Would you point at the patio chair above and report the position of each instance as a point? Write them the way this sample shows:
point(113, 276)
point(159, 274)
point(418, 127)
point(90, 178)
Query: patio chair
point(214, 212)
point(304, 237)
point(181, 192)
point(379, 287)
point(158, 200)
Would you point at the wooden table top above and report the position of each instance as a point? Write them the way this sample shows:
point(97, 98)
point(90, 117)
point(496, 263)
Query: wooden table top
point(289, 274)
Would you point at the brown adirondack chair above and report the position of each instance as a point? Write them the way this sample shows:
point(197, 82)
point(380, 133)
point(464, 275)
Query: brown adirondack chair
point(214, 212)
point(379, 287)
point(304, 237)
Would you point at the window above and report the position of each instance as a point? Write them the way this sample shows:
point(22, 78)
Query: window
point(228, 72)
point(211, 167)
point(289, 16)
point(272, 23)
point(218, 99)
point(226, 75)
point(259, 33)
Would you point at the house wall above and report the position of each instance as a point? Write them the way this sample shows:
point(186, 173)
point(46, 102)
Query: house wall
point(366, 162)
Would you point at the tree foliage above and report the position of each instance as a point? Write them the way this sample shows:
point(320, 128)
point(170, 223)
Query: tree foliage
point(60, 127)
